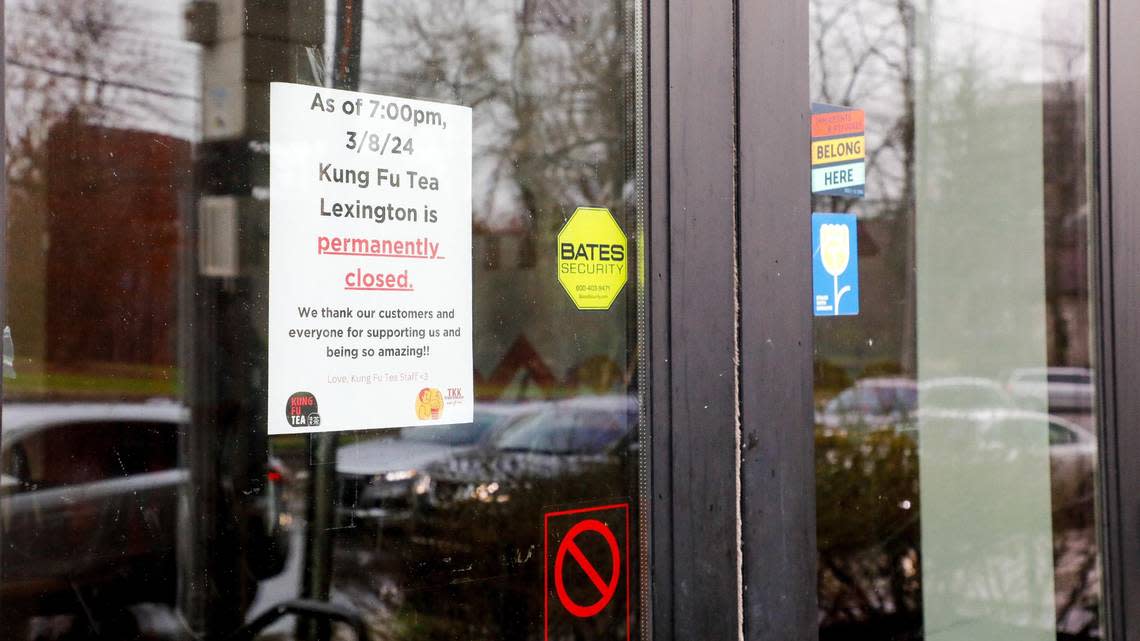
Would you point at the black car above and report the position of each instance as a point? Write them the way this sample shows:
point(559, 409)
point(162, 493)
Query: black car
point(376, 478)
point(481, 509)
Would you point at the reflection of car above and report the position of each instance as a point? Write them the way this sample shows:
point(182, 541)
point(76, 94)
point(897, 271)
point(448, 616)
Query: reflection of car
point(1056, 388)
point(874, 475)
point(882, 402)
point(90, 495)
point(1072, 448)
point(1072, 465)
point(962, 393)
point(871, 402)
point(469, 507)
point(375, 477)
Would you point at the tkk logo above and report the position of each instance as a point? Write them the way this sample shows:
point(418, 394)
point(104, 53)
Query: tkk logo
point(454, 395)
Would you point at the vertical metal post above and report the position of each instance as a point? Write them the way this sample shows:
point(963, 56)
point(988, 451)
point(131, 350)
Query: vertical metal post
point(777, 459)
point(225, 449)
point(3, 212)
point(3, 250)
point(321, 499)
point(316, 582)
point(696, 545)
point(346, 69)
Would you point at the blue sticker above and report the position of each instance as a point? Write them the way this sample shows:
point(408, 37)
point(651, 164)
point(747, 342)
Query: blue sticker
point(835, 265)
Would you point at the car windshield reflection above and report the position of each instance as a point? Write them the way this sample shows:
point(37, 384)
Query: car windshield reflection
point(455, 435)
point(556, 433)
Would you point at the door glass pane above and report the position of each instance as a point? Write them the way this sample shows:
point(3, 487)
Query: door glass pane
point(956, 434)
point(141, 493)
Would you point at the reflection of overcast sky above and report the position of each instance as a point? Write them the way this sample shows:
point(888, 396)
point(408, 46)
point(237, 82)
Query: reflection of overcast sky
point(391, 51)
point(859, 51)
point(161, 93)
point(383, 71)
point(161, 97)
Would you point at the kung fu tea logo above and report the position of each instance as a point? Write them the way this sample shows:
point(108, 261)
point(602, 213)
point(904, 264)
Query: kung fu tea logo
point(301, 410)
point(429, 404)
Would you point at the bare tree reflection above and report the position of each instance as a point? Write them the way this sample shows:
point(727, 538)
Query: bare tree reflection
point(550, 85)
point(866, 54)
point(547, 80)
point(90, 76)
point(93, 59)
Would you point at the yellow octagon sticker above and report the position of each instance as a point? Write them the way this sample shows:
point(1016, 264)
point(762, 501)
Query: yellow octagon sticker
point(592, 252)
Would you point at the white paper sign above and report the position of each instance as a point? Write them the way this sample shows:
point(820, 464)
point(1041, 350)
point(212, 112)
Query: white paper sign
point(369, 261)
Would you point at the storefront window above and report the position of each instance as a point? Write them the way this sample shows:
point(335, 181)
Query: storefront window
point(142, 492)
point(956, 438)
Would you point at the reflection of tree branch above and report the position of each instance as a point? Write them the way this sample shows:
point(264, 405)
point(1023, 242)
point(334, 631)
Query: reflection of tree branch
point(546, 77)
point(872, 50)
point(1073, 599)
point(90, 63)
point(853, 584)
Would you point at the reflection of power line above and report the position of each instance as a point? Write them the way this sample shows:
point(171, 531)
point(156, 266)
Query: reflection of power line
point(963, 21)
point(121, 33)
point(1009, 34)
point(146, 28)
point(110, 83)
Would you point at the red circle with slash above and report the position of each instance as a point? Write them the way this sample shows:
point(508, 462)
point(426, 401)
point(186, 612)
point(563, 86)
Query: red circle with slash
point(605, 588)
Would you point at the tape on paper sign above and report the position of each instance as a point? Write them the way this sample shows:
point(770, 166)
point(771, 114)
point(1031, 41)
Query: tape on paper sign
point(369, 261)
point(838, 151)
point(835, 265)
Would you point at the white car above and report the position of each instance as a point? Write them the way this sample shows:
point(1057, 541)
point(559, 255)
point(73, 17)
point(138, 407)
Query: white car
point(1058, 389)
point(965, 393)
point(1072, 448)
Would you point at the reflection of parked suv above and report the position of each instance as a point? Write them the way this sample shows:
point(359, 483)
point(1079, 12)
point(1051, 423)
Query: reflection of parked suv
point(89, 496)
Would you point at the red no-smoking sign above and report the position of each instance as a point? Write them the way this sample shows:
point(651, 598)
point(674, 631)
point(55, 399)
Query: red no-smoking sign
point(587, 573)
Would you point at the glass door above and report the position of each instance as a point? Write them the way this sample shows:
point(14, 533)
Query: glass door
point(956, 433)
point(324, 320)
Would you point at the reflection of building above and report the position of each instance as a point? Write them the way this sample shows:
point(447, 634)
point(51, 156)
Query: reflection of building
point(106, 290)
point(1066, 224)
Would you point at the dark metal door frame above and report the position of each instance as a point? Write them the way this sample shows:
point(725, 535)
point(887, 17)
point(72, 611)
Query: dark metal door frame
point(1117, 184)
point(693, 319)
point(777, 417)
point(733, 509)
